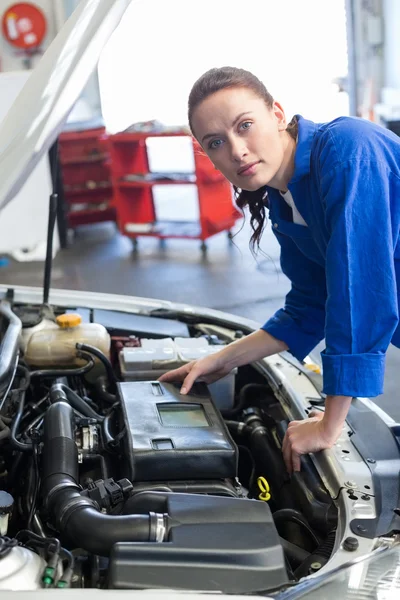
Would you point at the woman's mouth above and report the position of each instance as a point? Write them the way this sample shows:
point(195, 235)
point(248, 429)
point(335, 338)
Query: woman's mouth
point(248, 170)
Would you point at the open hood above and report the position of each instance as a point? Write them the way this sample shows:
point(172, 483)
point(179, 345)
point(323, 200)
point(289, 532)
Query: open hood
point(41, 109)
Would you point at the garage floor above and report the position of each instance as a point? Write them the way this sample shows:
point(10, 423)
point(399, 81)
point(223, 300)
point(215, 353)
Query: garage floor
point(226, 278)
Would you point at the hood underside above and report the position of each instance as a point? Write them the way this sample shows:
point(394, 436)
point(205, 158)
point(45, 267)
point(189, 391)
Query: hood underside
point(41, 109)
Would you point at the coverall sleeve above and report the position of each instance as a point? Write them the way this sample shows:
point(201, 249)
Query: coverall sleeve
point(300, 324)
point(362, 305)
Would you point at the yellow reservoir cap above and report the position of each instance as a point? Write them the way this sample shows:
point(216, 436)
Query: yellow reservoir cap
point(66, 321)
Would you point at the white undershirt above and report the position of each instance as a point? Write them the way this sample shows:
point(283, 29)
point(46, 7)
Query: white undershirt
point(297, 218)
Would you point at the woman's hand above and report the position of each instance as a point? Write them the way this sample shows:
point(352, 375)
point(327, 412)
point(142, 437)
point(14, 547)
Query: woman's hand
point(252, 347)
point(319, 432)
point(303, 437)
point(208, 369)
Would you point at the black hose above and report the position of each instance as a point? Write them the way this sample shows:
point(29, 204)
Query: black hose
point(244, 398)
point(62, 392)
point(268, 457)
point(21, 446)
point(108, 437)
point(25, 379)
point(36, 421)
point(102, 393)
point(74, 515)
point(236, 427)
point(102, 357)
point(36, 486)
point(35, 407)
point(321, 555)
point(53, 544)
point(295, 554)
point(9, 346)
point(28, 414)
point(67, 372)
point(291, 515)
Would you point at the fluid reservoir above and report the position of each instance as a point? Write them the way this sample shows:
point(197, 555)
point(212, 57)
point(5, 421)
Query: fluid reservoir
point(27, 332)
point(55, 346)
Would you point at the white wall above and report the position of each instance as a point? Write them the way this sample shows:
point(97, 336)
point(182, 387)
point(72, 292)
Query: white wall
point(295, 46)
point(391, 15)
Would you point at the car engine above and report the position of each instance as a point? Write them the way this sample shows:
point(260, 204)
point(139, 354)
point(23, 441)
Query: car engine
point(111, 479)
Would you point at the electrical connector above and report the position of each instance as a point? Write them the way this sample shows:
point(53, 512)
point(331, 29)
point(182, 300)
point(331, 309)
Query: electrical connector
point(65, 581)
point(48, 576)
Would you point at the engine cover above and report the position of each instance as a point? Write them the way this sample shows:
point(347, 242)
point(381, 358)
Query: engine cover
point(214, 544)
point(174, 437)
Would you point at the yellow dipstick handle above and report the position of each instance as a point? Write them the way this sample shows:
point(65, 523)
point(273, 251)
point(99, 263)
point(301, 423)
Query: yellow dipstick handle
point(264, 489)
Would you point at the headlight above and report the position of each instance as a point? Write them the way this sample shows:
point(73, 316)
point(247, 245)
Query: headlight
point(373, 577)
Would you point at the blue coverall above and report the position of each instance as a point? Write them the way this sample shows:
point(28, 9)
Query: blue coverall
point(344, 265)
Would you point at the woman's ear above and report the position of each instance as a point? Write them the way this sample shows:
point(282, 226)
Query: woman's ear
point(280, 116)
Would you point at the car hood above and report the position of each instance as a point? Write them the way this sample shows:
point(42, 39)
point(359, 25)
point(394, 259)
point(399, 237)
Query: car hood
point(41, 109)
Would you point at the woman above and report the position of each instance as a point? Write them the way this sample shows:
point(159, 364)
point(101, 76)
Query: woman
point(332, 192)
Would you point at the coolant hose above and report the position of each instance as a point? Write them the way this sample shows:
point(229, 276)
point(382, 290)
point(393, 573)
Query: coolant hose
point(102, 393)
point(10, 343)
point(102, 358)
point(60, 391)
point(20, 392)
point(247, 396)
point(78, 517)
point(267, 456)
point(291, 515)
point(75, 372)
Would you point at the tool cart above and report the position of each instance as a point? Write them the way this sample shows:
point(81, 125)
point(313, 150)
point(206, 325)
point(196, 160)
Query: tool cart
point(86, 176)
point(134, 183)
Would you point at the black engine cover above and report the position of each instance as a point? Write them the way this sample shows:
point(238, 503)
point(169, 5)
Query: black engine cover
point(225, 544)
point(174, 437)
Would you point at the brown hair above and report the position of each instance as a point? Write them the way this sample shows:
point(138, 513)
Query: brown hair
point(222, 78)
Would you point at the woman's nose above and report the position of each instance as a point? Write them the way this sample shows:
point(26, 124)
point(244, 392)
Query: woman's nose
point(238, 150)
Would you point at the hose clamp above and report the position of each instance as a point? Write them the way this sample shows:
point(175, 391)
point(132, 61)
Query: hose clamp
point(259, 430)
point(158, 527)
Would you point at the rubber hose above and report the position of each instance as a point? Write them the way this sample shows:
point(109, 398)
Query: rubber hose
point(294, 516)
point(293, 552)
point(67, 372)
point(102, 357)
point(60, 391)
point(108, 437)
point(102, 393)
point(73, 515)
point(244, 398)
point(21, 446)
point(321, 555)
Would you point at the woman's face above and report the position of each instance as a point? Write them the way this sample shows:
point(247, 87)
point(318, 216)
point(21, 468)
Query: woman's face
point(244, 138)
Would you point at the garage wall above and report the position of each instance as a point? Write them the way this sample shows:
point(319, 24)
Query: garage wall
point(10, 60)
point(57, 12)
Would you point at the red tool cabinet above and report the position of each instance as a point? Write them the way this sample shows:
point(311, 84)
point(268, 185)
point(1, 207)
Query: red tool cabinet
point(86, 175)
point(133, 192)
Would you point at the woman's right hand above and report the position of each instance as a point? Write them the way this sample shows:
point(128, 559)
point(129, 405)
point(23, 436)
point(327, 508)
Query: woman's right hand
point(207, 369)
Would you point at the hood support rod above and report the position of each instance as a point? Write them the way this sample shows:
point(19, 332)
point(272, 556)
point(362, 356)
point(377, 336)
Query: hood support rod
point(53, 206)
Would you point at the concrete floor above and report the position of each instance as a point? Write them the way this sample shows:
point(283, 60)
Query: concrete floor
point(226, 278)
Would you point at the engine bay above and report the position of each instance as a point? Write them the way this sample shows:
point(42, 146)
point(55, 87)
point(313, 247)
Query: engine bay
point(111, 479)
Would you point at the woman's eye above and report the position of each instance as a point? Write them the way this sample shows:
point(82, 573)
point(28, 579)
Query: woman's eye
point(245, 125)
point(215, 144)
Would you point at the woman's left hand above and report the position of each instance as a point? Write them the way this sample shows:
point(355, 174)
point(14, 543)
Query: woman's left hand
point(306, 436)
